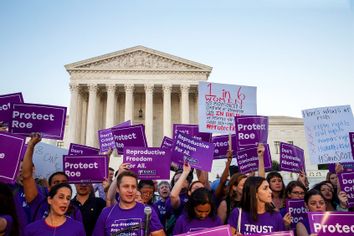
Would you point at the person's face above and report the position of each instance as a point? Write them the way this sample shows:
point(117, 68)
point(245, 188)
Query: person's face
point(59, 204)
point(333, 179)
point(164, 190)
point(58, 179)
point(83, 189)
point(127, 189)
point(196, 186)
point(296, 193)
point(264, 193)
point(202, 211)
point(110, 175)
point(327, 191)
point(316, 204)
point(147, 192)
point(276, 184)
point(138, 197)
point(239, 187)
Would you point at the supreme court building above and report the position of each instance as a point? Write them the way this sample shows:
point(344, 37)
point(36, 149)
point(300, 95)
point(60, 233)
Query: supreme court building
point(152, 88)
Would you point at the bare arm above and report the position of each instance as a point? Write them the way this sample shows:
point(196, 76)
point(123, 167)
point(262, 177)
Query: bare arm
point(158, 233)
point(225, 174)
point(111, 193)
point(260, 153)
point(176, 190)
point(301, 230)
point(29, 184)
point(203, 177)
point(222, 210)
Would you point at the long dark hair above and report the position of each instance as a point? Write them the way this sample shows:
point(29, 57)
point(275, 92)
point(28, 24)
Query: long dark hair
point(249, 198)
point(8, 207)
point(200, 196)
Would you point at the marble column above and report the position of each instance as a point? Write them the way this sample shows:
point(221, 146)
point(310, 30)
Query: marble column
point(74, 90)
point(129, 102)
point(167, 88)
point(79, 125)
point(149, 108)
point(111, 108)
point(91, 115)
point(185, 103)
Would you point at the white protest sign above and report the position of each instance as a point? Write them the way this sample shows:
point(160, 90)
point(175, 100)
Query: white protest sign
point(48, 159)
point(218, 104)
point(326, 131)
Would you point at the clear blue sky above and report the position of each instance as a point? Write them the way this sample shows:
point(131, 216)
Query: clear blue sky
point(299, 53)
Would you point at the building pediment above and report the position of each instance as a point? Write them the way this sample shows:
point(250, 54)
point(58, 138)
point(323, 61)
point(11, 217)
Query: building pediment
point(137, 59)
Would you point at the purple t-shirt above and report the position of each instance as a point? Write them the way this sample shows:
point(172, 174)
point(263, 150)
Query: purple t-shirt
point(160, 208)
point(9, 222)
point(40, 209)
point(114, 219)
point(69, 228)
point(266, 222)
point(184, 225)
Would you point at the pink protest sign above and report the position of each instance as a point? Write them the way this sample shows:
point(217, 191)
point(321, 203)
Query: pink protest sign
point(223, 230)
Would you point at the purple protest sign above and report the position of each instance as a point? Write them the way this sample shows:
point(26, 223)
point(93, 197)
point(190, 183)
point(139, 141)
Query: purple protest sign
point(11, 150)
point(250, 130)
point(222, 145)
point(347, 167)
point(351, 140)
point(86, 169)
point(198, 154)
point(192, 130)
point(6, 102)
point(291, 158)
point(167, 142)
point(130, 136)
point(346, 181)
point(123, 124)
point(247, 159)
point(106, 140)
point(148, 163)
point(279, 233)
point(48, 120)
point(331, 223)
point(297, 211)
point(223, 230)
point(82, 150)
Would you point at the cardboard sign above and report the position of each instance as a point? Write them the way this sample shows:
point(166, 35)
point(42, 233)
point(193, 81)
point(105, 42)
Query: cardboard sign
point(82, 150)
point(223, 230)
point(331, 223)
point(105, 136)
point(130, 136)
point(247, 159)
point(10, 156)
point(279, 233)
point(6, 102)
point(198, 154)
point(218, 104)
point(45, 119)
point(346, 181)
point(167, 142)
point(192, 130)
point(297, 211)
point(251, 130)
point(48, 159)
point(347, 167)
point(291, 158)
point(326, 131)
point(148, 163)
point(222, 146)
point(86, 169)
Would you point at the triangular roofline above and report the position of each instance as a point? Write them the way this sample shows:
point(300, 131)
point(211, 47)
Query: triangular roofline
point(75, 65)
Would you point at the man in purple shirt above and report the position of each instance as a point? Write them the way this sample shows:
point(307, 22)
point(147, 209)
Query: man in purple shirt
point(127, 216)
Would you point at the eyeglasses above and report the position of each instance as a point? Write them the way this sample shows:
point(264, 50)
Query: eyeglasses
point(298, 193)
point(147, 193)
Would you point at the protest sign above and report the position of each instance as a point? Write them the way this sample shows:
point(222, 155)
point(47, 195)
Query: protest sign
point(47, 159)
point(297, 211)
point(192, 130)
point(105, 136)
point(198, 154)
point(148, 163)
point(218, 104)
point(167, 142)
point(347, 167)
point(247, 159)
point(129, 136)
point(251, 130)
point(279, 233)
point(291, 158)
point(6, 102)
point(223, 230)
point(222, 145)
point(346, 181)
point(10, 156)
point(82, 150)
point(45, 119)
point(351, 141)
point(326, 131)
point(331, 223)
point(123, 124)
point(86, 169)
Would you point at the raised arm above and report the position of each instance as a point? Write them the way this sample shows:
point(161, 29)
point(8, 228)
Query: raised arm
point(111, 193)
point(29, 184)
point(176, 190)
point(260, 153)
point(225, 174)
